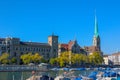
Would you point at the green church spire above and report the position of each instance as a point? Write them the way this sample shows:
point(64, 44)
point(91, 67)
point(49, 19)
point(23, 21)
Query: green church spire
point(96, 27)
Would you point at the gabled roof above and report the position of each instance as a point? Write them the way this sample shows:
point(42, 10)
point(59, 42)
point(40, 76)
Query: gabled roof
point(70, 44)
point(65, 46)
point(91, 48)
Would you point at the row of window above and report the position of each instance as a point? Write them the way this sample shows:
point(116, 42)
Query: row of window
point(33, 49)
point(9, 42)
point(3, 48)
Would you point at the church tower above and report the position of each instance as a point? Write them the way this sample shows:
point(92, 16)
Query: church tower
point(53, 42)
point(96, 38)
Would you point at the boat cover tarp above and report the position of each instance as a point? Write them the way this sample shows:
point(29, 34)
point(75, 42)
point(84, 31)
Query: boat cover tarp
point(93, 75)
point(78, 78)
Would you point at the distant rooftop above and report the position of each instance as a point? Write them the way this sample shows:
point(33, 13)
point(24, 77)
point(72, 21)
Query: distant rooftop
point(34, 43)
point(115, 54)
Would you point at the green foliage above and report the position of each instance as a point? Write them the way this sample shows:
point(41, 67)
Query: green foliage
point(53, 61)
point(44, 60)
point(36, 58)
point(65, 58)
point(62, 60)
point(79, 59)
point(14, 60)
point(68, 58)
point(95, 58)
point(28, 58)
point(4, 58)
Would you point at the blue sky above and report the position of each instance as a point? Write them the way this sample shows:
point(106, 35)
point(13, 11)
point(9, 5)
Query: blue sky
point(34, 20)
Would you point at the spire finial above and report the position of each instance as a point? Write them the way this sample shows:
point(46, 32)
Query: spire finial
point(52, 33)
point(75, 37)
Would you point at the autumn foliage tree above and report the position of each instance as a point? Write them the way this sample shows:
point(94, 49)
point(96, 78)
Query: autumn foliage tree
point(4, 58)
point(68, 58)
point(36, 58)
point(13, 60)
point(28, 58)
point(96, 58)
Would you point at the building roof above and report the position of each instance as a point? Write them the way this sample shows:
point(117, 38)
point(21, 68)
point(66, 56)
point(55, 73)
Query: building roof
point(2, 39)
point(91, 48)
point(65, 46)
point(105, 55)
point(96, 28)
point(116, 54)
point(53, 35)
point(34, 43)
point(70, 44)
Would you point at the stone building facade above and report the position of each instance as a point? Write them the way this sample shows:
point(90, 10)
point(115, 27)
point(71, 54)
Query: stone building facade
point(15, 47)
point(114, 58)
point(106, 60)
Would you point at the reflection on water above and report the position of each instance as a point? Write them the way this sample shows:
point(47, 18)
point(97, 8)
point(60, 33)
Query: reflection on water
point(14, 75)
point(25, 75)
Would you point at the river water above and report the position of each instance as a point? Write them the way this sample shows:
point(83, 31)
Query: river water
point(25, 75)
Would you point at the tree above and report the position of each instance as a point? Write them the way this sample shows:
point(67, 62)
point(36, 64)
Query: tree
point(44, 60)
point(53, 61)
point(61, 61)
point(14, 60)
point(36, 58)
point(4, 58)
point(95, 58)
point(64, 59)
point(26, 58)
point(68, 58)
point(79, 59)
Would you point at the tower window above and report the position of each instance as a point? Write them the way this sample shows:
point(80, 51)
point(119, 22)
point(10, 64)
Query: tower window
point(54, 50)
point(15, 54)
point(16, 48)
point(39, 49)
